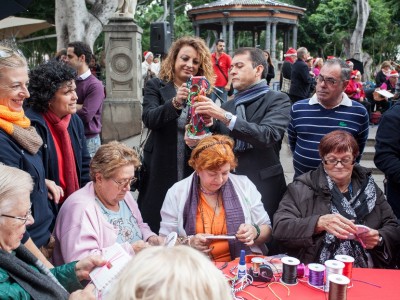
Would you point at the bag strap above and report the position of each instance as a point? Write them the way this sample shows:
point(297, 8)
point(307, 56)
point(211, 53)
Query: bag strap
point(222, 72)
point(142, 141)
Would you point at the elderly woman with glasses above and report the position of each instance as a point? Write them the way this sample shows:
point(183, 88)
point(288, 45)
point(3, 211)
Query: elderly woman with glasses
point(103, 212)
point(213, 202)
point(22, 275)
point(337, 209)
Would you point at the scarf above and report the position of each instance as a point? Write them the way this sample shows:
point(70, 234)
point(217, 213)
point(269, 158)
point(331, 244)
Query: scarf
point(59, 127)
point(41, 284)
point(18, 126)
point(243, 99)
point(359, 206)
point(233, 211)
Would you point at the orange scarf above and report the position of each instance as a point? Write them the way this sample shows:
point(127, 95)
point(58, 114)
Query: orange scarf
point(10, 118)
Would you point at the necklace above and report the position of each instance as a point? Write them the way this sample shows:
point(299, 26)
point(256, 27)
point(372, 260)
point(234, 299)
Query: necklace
point(176, 86)
point(212, 229)
point(208, 193)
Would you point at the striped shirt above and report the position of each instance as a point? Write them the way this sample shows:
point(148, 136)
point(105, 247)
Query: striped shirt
point(310, 121)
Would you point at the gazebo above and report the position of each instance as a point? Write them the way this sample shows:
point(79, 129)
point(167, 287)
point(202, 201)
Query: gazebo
point(249, 15)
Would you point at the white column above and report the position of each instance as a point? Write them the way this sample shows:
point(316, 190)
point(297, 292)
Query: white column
point(273, 43)
point(268, 37)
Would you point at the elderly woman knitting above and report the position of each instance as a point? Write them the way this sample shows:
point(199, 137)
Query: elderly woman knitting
point(22, 275)
point(337, 209)
point(212, 201)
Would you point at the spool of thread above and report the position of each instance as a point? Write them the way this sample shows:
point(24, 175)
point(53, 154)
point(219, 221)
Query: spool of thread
point(332, 267)
point(301, 270)
point(289, 270)
point(348, 265)
point(338, 287)
point(256, 261)
point(316, 274)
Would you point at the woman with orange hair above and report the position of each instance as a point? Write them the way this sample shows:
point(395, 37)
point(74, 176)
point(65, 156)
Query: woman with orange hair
point(213, 202)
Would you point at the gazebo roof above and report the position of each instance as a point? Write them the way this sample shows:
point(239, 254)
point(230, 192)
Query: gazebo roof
point(222, 3)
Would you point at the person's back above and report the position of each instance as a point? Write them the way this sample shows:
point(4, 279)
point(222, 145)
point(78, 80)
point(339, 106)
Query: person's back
point(387, 155)
point(300, 77)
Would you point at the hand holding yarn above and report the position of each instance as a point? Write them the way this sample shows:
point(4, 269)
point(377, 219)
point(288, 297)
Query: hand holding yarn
point(335, 224)
point(246, 234)
point(370, 238)
point(200, 242)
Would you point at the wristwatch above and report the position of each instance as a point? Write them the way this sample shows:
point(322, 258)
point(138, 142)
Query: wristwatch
point(228, 117)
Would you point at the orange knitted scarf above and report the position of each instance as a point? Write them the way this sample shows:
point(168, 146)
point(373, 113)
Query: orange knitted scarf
point(10, 118)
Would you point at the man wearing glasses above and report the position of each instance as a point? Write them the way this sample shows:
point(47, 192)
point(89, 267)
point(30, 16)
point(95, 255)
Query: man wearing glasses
point(327, 110)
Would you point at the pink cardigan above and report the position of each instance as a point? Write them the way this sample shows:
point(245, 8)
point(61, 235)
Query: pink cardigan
point(81, 228)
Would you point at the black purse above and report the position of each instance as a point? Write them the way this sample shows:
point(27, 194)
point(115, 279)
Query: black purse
point(141, 170)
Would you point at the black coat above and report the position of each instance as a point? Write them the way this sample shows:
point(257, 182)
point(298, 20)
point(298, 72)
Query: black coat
point(160, 151)
point(387, 154)
point(301, 80)
point(48, 150)
point(308, 197)
point(267, 121)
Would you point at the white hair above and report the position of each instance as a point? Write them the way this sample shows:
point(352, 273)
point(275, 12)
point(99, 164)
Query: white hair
point(177, 273)
point(13, 182)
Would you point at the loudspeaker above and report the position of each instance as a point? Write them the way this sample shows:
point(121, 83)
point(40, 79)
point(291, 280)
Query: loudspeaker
point(160, 37)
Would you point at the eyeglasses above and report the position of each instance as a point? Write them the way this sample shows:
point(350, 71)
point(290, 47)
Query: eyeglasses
point(6, 53)
point(328, 81)
point(124, 183)
point(24, 219)
point(344, 161)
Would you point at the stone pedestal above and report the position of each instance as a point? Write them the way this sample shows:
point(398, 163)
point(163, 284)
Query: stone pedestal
point(122, 109)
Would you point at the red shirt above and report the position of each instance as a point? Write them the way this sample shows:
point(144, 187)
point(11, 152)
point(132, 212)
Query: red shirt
point(224, 62)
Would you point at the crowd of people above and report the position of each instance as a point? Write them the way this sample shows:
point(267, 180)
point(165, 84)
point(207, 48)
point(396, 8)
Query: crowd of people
point(65, 199)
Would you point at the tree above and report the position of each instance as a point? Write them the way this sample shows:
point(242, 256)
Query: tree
point(363, 9)
point(82, 20)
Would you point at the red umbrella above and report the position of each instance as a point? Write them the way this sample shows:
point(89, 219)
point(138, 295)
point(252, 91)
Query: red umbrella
point(11, 7)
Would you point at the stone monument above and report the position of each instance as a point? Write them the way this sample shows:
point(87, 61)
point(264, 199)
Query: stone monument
point(122, 109)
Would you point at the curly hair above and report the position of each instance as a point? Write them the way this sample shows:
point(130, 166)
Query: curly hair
point(44, 82)
point(212, 152)
point(205, 69)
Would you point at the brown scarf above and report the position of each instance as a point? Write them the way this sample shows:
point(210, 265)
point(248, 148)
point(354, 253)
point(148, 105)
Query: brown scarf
point(59, 127)
point(18, 126)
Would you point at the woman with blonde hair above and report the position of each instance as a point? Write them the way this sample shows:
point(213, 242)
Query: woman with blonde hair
point(103, 212)
point(171, 273)
point(212, 201)
point(165, 114)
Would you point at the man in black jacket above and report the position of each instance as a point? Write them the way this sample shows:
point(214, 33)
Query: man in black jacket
point(256, 119)
point(301, 79)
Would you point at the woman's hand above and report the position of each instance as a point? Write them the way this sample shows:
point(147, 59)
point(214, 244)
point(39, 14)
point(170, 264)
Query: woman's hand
point(200, 242)
point(156, 240)
point(86, 265)
point(370, 239)
point(182, 94)
point(55, 192)
point(88, 293)
point(139, 245)
point(337, 225)
point(246, 234)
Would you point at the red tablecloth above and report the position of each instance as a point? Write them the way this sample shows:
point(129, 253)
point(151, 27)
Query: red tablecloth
point(367, 284)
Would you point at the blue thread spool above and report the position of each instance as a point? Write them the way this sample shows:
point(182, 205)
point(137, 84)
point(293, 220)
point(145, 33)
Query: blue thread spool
point(316, 275)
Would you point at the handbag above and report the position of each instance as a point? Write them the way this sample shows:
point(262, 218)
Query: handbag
point(285, 85)
point(140, 171)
